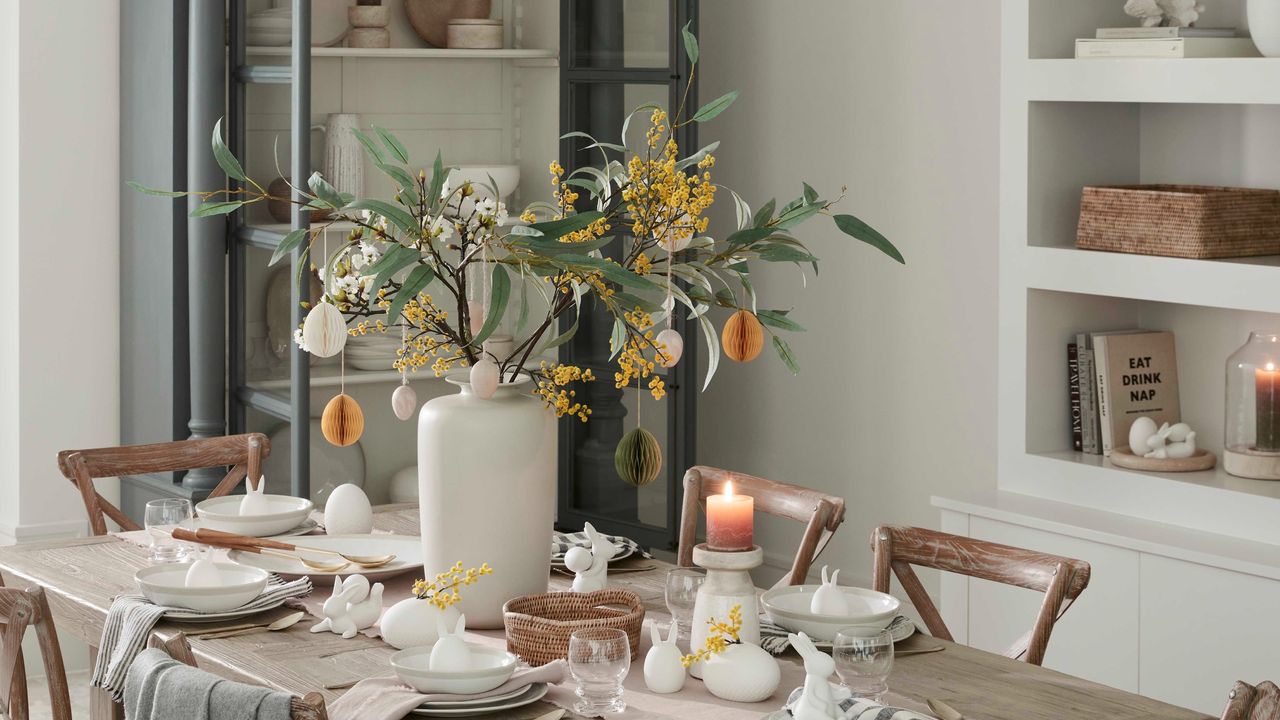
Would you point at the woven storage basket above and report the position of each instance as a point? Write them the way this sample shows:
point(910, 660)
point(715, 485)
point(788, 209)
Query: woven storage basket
point(1188, 221)
point(539, 626)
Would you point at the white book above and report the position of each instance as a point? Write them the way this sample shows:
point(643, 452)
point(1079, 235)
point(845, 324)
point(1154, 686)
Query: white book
point(1138, 33)
point(1171, 48)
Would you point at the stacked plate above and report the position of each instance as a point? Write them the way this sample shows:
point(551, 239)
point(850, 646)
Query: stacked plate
point(272, 27)
point(467, 708)
point(372, 351)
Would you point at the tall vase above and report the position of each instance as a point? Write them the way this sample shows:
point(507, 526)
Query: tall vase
point(1264, 26)
point(486, 492)
point(343, 154)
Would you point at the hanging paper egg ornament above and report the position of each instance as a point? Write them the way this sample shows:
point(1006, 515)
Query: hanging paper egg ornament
point(743, 337)
point(324, 330)
point(638, 458)
point(672, 347)
point(475, 312)
point(484, 378)
point(404, 401)
point(342, 422)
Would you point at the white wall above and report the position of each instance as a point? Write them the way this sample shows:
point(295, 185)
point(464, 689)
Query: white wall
point(61, 366)
point(896, 397)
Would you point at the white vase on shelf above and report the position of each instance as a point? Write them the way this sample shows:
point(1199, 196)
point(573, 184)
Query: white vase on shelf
point(487, 491)
point(1264, 26)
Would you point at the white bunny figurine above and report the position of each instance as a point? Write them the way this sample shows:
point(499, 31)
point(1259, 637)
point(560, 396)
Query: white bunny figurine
point(829, 599)
point(203, 572)
point(589, 578)
point(450, 652)
point(254, 502)
point(364, 613)
point(337, 619)
point(663, 671)
point(816, 702)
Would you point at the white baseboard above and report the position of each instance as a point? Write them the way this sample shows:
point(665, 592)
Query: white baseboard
point(32, 532)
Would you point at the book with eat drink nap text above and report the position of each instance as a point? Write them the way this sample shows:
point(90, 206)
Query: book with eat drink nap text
point(1137, 374)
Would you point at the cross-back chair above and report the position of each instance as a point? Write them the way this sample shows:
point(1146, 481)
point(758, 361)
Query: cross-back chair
point(243, 452)
point(1247, 702)
point(310, 707)
point(1061, 579)
point(20, 609)
point(821, 513)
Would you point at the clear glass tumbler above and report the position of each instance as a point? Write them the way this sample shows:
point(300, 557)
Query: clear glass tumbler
point(160, 518)
point(864, 659)
point(681, 592)
point(599, 659)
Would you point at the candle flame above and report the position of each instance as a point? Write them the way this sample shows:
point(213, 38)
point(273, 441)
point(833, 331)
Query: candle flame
point(728, 488)
point(1271, 366)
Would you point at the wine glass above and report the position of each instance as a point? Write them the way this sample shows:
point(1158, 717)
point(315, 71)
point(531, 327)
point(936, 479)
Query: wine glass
point(160, 518)
point(864, 658)
point(599, 659)
point(681, 593)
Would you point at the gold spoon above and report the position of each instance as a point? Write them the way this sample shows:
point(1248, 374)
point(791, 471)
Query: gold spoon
point(217, 536)
point(283, 623)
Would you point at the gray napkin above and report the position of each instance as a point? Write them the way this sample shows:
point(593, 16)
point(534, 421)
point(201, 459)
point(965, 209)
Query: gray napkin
point(157, 687)
point(386, 698)
point(858, 708)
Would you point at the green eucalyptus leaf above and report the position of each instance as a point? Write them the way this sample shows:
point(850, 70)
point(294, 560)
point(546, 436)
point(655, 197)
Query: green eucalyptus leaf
point(287, 244)
point(713, 349)
point(553, 229)
point(555, 248)
point(591, 186)
point(523, 318)
point(225, 159)
point(856, 228)
point(764, 214)
point(401, 177)
point(726, 298)
point(393, 261)
point(784, 352)
point(697, 157)
point(632, 302)
point(715, 107)
point(374, 152)
point(611, 270)
point(395, 215)
point(565, 336)
point(437, 182)
point(324, 192)
point(414, 284)
point(393, 145)
point(524, 231)
point(782, 253)
point(748, 236)
point(617, 338)
point(499, 293)
point(778, 319)
point(795, 216)
point(810, 195)
point(690, 43)
point(742, 210)
point(221, 207)
point(152, 191)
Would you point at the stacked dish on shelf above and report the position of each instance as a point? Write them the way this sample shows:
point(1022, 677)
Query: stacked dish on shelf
point(372, 351)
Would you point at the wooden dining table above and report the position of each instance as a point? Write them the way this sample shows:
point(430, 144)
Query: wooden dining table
point(81, 576)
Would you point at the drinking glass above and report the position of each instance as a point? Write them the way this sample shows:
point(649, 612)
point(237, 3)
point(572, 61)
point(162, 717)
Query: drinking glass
point(599, 659)
point(864, 658)
point(160, 518)
point(681, 592)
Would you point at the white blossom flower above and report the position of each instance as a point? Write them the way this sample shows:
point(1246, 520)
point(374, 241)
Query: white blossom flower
point(297, 339)
point(500, 215)
point(439, 228)
point(445, 189)
point(486, 207)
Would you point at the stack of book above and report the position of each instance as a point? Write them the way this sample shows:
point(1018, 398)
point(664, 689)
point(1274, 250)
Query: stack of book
point(1165, 42)
point(1116, 377)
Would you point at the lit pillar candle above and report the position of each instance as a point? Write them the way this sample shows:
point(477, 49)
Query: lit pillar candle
point(729, 520)
point(1267, 384)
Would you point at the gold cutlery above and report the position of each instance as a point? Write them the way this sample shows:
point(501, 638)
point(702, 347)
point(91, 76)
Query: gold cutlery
point(283, 623)
point(317, 565)
point(207, 535)
point(918, 651)
point(341, 685)
point(943, 710)
point(553, 715)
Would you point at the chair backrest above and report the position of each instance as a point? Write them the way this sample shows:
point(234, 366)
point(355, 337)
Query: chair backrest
point(18, 610)
point(1247, 702)
point(243, 452)
point(821, 513)
point(1061, 579)
point(310, 707)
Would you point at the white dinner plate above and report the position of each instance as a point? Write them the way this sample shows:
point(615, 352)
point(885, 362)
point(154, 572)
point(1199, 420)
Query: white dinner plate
point(307, 526)
point(496, 699)
point(623, 553)
point(900, 629)
point(180, 616)
point(533, 694)
point(407, 549)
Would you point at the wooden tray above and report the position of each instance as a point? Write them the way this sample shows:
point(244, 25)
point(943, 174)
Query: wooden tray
point(1202, 460)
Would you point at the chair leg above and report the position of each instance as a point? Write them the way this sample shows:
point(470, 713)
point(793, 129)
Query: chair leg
point(101, 705)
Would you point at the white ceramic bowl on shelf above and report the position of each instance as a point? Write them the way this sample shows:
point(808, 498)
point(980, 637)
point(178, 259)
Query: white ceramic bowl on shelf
point(167, 585)
point(285, 512)
point(490, 668)
point(506, 177)
point(788, 607)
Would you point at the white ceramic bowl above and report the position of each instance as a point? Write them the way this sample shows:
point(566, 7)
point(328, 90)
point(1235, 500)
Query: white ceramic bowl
point(491, 668)
point(223, 513)
point(506, 177)
point(788, 607)
point(167, 585)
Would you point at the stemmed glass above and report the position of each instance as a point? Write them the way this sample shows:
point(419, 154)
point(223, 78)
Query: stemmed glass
point(599, 659)
point(160, 518)
point(864, 659)
point(681, 593)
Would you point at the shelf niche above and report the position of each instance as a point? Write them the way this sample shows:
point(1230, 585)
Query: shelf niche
point(1054, 25)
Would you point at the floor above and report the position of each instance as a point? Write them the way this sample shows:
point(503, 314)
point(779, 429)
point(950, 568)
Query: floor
point(38, 691)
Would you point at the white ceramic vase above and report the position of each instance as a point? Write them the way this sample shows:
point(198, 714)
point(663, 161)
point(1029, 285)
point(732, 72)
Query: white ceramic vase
point(412, 623)
point(1264, 26)
point(343, 154)
point(743, 673)
point(487, 492)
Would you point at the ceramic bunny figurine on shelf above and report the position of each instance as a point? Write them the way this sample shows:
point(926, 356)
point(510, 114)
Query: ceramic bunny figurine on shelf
point(1168, 442)
point(817, 702)
point(591, 568)
point(254, 502)
point(829, 599)
point(450, 652)
point(663, 671)
point(336, 610)
point(364, 613)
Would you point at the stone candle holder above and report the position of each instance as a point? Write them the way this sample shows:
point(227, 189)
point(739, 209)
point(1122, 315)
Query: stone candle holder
point(728, 583)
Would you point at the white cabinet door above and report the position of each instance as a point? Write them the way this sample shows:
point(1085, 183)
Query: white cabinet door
point(1098, 637)
point(1203, 628)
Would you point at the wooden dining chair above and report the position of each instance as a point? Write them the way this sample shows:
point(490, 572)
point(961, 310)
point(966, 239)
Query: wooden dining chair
point(18, 610)
point(821, 513)
point(1247, 702)
point(243, 452)
point(1061, 579)
point(310, 707)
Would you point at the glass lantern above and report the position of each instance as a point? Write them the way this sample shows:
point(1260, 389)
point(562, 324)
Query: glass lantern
point(1252, 443)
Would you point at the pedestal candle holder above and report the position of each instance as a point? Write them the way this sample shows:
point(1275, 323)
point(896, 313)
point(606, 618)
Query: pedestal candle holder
point(728, 583)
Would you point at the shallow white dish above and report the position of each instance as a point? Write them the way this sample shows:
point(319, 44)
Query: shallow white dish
point(407, 549)
point(788, 607)
point(194, 617)
point(528, 696)
point(285, 513)
point(167, 585)
point(490, 668)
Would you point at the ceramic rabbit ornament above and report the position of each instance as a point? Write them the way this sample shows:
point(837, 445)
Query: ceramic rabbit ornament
point(254, 502)
point(450, 652)
point(829, 599)
point(337, 609)
point(591, 569)
point(817, 701)
point(1170, 13)
point(663, 671)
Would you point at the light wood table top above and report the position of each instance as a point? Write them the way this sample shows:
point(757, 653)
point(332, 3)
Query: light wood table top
point(82, 575)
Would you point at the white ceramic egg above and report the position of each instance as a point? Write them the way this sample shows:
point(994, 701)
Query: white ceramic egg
point(254, 501)
point(348, 512)
point(577, 559)
point(484, 378)
point(324, 330)
point(404, 485)
point(203, 572)
point(1139, 433)
point(475, 312)
point(672, 347)
point(404, 401)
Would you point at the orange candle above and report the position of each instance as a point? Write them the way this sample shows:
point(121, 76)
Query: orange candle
point(729, 520)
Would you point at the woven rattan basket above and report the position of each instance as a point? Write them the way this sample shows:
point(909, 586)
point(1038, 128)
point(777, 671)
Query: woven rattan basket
point(539, 626)
point(1187, 221)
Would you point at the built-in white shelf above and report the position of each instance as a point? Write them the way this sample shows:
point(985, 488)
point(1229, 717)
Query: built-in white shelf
point(412, 53)
point(1246, 81)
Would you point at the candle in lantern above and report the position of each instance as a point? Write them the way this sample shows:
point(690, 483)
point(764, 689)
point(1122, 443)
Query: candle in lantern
point(729, 520)
point(1267, 385)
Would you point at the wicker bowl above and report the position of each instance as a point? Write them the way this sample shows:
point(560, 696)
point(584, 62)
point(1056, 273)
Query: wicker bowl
point(539, 626)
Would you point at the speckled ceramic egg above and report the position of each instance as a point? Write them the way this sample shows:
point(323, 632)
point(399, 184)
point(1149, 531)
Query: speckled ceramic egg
point(348, 511)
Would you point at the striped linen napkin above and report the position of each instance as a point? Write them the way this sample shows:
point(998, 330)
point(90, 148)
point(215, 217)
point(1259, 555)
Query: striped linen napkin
point(132, 617)
point(774, 638)
point(561, 542)
point(852, 708)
